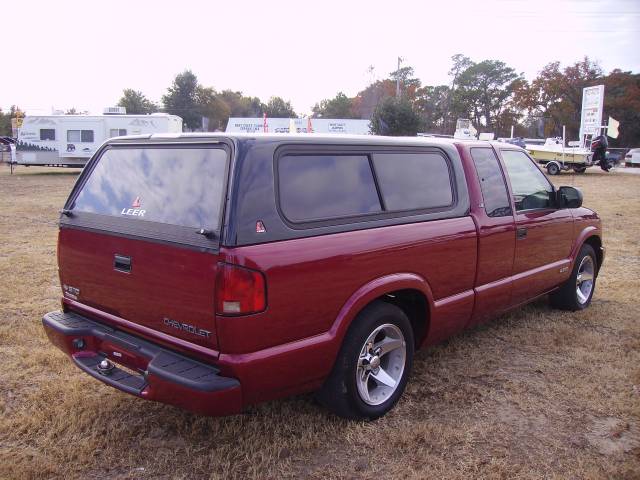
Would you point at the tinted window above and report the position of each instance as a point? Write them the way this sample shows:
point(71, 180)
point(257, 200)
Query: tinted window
point(494, 190)
point(314, 187)
point(180, 186)
point(86, 136)
point(73, 135)
point(80, 136)
point(531, 189)
point(47, 134)
point(411, 181)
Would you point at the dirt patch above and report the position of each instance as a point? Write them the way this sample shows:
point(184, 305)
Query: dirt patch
point(614, 436)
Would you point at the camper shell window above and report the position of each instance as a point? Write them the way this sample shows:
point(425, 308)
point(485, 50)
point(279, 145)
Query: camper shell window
point(84, 136)
point(147, 184)
point(47, 134)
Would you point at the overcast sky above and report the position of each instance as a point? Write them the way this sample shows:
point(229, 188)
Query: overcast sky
point(82, 54)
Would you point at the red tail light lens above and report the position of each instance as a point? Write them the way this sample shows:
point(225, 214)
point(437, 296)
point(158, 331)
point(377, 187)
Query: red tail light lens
point(239, 290)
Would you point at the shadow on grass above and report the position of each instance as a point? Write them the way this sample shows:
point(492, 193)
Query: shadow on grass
point(33, 171)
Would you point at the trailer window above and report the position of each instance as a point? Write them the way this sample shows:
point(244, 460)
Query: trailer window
point(149, 184)
point(117, 132)
point(84, 136)
point(47, 134)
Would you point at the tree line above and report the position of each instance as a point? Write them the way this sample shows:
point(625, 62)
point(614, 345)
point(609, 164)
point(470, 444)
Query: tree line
point(490, 93)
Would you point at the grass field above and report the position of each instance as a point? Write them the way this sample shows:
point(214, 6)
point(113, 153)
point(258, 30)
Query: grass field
point(536, 393)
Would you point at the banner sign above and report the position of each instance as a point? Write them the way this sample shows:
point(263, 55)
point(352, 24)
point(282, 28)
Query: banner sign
point(301, 125)
point(592, 108)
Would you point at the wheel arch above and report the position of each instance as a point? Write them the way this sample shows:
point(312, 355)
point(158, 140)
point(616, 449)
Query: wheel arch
point(590, 236)
point(408, 291)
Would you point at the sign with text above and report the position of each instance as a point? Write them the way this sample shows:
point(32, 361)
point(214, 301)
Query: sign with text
point(302, 125)
point(592, 108)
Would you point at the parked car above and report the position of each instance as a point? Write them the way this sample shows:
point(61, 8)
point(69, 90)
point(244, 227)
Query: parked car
point(632, 158)
point(216, 271)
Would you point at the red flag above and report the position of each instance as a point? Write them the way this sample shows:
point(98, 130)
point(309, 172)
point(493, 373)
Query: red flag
point(264, 123)
point(309, 129)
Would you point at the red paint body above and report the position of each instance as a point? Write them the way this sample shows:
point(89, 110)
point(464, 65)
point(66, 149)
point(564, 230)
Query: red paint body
point(467, 269)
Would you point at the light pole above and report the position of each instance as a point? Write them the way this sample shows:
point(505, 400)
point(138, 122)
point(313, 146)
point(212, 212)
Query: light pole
point(398, 78)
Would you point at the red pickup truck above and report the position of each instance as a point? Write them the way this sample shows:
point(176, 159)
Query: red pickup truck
point(215, 271)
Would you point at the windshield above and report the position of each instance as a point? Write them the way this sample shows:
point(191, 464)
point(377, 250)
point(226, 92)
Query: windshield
point(178, 186)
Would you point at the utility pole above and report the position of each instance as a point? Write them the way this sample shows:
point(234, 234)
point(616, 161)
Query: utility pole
point(398, 78)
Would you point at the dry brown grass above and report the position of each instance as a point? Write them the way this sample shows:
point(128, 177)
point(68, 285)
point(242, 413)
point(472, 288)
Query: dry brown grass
point(535, 394)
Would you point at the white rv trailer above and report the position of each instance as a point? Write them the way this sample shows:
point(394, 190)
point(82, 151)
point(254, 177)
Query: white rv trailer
point(70, 140)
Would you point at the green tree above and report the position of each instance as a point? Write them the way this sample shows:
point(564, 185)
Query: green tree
point(408, 83)
point(5, 124)
point(622, 102)
point(395, 117)
point(432, 104)
point(276, 107)
point(460, 64)
point(136, 103)
point(212, 106)
point(365, 102)
point(555, 96)
point(182, 99)
point(485, 92)
point(241, 106)
point(340, 106)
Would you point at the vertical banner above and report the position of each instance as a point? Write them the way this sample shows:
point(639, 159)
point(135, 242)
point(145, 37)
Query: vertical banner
point(592, 108)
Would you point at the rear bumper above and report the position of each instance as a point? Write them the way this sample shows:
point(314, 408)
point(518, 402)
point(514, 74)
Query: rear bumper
point(142, 368)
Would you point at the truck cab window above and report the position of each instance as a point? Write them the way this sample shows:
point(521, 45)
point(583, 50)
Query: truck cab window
point(494, 189)
point(531, 189)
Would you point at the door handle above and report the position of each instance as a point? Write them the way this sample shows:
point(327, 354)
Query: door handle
point(122, 263)
point(521, 233)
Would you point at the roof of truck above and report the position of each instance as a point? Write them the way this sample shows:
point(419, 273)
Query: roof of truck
point(303, 137)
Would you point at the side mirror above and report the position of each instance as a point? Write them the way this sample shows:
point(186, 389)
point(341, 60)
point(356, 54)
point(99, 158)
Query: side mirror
point(568, 197)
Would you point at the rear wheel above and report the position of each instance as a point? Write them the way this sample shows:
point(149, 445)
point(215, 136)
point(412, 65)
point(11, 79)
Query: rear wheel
point(577, 291)
point(373, 365)
point(553, 168)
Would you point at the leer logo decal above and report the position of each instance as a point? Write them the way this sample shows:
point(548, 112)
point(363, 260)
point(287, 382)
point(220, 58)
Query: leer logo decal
point(135, 211)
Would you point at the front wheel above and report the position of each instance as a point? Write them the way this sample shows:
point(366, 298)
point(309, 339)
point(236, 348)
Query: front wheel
point(553, 168)
point(579, 169)
point(373, 365)
point(577, 291)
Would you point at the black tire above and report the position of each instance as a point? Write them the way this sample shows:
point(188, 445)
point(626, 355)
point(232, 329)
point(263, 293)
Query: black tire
point(553, 169)
point(566, 297)
point(340, 391)
point(579, 169)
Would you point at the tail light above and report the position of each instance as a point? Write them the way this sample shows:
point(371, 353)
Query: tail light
point(239, 290)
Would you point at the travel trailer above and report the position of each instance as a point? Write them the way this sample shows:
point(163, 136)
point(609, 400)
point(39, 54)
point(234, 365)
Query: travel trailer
point(70, 140)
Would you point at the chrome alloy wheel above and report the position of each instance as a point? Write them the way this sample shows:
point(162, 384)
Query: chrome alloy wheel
point(381, 364)
point(584, 280)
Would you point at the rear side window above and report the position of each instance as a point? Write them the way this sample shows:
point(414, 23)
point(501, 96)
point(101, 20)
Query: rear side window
point(412, 181)
point(177, 186)
point(494, 189)
point(316, 187)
